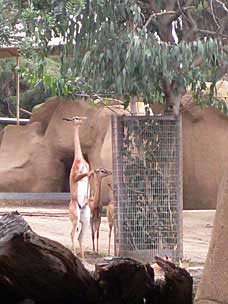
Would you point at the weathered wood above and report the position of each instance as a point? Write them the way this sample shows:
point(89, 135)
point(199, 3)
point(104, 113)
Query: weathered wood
point(34, 267)
point(125, 280)
point(175, 289)
point(36, 270)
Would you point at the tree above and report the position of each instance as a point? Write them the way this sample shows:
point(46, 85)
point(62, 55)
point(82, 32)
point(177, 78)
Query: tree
point(11, 34)
point(152, 49)
point(29, 96)
point(10, 31)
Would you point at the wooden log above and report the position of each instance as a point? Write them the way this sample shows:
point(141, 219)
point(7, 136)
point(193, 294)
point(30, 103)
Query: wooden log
point(176, 288)
point(123, 280)
point(35, 268)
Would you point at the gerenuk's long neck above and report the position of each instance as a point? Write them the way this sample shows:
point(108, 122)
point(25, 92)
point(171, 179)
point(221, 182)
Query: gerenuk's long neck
point(77, 146)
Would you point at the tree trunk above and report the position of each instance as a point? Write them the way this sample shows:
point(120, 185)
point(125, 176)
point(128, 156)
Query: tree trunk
point(36, 268)
point(213, 286)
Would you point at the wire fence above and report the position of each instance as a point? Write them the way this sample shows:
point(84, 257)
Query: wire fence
point(147, 186)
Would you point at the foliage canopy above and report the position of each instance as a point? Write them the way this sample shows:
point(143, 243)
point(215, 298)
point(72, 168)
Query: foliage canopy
point(150, 49)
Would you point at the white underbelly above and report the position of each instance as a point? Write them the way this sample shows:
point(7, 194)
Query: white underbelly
point(83, 187)
point(83, 191)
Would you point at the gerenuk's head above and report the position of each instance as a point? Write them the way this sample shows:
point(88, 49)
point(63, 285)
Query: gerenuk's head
point(76, 120)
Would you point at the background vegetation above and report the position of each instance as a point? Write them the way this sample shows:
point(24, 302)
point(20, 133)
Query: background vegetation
point(29, 95)
point(152, 49)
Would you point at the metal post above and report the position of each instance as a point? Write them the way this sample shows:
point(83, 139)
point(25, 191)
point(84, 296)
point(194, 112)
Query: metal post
point(17, 92)
point(180, 186)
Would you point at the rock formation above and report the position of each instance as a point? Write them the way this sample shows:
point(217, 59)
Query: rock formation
point(205, 145)
point(38, 157)
point(213, 285)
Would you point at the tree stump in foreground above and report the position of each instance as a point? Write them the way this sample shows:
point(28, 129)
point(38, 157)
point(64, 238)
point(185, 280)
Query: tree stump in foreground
point(123, 280)
point(34, 267)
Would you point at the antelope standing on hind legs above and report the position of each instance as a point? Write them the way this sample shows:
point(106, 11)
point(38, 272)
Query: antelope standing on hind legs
point(96, 204)
point(79, 211)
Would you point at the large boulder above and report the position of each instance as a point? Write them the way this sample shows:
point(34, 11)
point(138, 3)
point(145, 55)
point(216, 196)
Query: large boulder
point(205, 146)
point(213, 285)
point(27, 162)
point(38, 157)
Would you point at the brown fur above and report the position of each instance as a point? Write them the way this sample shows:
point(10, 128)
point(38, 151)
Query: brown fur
point(110, 218)
point(75, 177)
point(95, 204)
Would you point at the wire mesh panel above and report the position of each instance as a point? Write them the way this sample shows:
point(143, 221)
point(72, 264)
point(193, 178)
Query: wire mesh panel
point(147, 184)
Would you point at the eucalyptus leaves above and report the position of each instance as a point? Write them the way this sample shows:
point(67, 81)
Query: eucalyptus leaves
point(154, 50)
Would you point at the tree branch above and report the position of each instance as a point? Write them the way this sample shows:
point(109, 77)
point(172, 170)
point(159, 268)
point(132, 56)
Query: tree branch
point(224, 23)
point(223, 5)
point(157, 14)
point(175, 14)
point(193, 27)
point(216, 34)
point(213, 14)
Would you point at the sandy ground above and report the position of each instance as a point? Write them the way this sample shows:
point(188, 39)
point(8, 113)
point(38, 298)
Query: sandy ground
point(54, 224)
point(197, 230)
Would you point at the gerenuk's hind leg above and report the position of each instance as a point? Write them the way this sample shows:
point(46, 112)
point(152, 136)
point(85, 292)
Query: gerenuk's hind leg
point(85, 223)
point(109, 238)
point(98, 223)
point(92, 232)
point(74, 218)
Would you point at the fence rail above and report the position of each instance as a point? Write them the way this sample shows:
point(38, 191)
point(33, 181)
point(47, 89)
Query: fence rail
point(34, 196)
point(13, 121)
point(16, 199)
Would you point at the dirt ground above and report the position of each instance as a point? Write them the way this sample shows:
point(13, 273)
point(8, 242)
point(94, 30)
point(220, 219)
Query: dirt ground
point(54, 224)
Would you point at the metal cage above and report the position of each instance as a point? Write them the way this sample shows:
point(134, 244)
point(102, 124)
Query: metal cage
point(147, 186)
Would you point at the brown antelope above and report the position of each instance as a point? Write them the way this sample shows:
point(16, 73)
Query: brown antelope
point(96, 204)
point(79, 211)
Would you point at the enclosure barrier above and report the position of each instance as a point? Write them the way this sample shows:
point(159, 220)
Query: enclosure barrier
point(35, 195)
point(34, 198)
point(147, 186)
